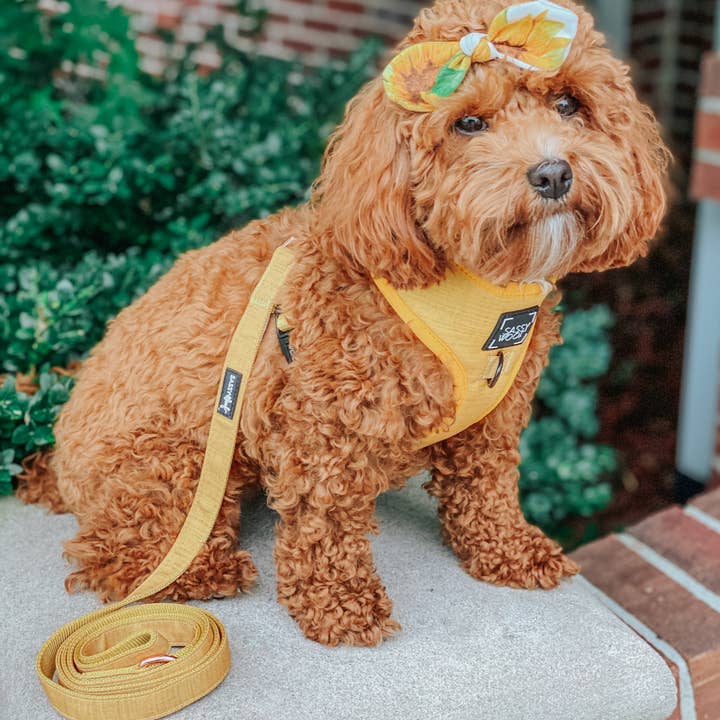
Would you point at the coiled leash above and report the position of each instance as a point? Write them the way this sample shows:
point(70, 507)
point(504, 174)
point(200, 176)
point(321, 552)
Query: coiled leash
point(116, 662)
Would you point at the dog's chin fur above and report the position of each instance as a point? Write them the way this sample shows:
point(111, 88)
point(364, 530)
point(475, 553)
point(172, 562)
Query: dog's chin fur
point(401, 196)
point(552, 243)
point(535, 252)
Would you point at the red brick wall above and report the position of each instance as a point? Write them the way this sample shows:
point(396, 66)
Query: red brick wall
point(706, 173)
point(330, 28)
point(318, 30)
point(668, 40)
point(662, 577)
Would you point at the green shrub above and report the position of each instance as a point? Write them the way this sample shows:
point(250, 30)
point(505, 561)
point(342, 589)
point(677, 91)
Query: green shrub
point(50, 315)
point(26, 421)
point(140, 167)
point(105, 180)
point(562, 472)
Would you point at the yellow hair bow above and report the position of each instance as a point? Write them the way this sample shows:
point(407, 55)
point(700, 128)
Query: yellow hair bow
point(534, 35)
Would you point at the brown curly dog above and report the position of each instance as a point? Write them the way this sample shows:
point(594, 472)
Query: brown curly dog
point(404, 196)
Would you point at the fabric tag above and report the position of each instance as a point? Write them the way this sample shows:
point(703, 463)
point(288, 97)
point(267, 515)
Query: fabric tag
point(512, 329)
point(230, 392)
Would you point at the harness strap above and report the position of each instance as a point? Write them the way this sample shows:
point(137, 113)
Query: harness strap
point(480, 332)
point(97, 657)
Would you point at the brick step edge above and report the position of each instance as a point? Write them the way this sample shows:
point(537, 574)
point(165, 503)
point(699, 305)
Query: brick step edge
point(662, 578)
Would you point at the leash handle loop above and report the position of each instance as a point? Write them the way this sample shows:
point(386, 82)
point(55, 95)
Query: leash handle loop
point(97, 659)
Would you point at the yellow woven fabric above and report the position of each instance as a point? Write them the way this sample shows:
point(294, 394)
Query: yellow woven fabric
point(534, 35)
point(455, 319)
point(96, 656)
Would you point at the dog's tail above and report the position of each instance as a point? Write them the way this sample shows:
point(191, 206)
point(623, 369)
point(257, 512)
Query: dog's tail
point(38, 483)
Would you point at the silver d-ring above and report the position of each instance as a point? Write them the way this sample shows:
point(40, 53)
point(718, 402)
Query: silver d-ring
point(501, 362)
point(157, 660)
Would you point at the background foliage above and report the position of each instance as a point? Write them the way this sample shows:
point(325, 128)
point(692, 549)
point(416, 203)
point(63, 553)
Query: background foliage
point(107, 174)
point(563, 472)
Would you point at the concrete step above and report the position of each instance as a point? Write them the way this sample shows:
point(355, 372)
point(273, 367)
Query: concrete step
point(467, 650)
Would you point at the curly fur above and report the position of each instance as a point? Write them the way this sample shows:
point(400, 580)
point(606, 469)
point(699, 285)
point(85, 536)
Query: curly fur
point(402, 196)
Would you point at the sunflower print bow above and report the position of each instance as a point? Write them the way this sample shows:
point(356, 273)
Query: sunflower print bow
point(534, 35)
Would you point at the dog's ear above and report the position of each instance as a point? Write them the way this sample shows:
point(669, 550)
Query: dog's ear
point(637, 132)
point(366, 211)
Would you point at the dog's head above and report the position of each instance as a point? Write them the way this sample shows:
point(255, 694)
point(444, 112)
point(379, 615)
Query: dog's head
point(517, 174)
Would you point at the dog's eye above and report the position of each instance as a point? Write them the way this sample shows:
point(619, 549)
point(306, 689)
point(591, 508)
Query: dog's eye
point(471, 125)
point(567, 105)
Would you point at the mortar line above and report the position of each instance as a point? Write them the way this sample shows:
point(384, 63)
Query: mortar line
point(665, 566)
point(702, 517)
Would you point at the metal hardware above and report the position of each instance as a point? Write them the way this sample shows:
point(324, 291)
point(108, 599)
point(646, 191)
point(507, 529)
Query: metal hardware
point(501, 363)
point(283, 334)
point(157, 660)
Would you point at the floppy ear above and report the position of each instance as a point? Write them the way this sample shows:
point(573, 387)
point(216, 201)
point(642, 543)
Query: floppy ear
point(364, 200)
point(635, 129)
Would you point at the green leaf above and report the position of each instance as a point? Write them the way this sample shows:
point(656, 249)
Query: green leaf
point(20, 435)
point(448, 80)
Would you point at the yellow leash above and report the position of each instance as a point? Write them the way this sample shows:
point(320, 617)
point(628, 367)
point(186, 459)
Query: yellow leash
point(98, 657)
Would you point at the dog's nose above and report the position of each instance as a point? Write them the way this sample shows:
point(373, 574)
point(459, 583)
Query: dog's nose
point(551, 179)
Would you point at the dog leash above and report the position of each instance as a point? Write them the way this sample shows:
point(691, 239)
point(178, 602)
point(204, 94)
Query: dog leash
point(116, 663)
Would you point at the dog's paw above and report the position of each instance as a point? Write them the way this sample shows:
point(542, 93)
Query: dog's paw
point(362, 631)
point(545, 572)
point(114, 573)
point(340, 615)
point(536, 562)
point(212, 575)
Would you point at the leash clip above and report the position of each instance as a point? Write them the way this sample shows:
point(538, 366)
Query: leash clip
point(156, 660)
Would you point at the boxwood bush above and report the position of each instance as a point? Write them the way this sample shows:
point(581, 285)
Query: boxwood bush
point(108, 173)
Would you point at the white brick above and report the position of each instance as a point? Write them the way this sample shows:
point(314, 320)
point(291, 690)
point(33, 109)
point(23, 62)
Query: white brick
point(54, 7)
point(203, 15)
point(152, 66)
point(335, 39)
point(169, 7)
point(141, 6)
point(207, 55)
point(142, 22)
point(190, 33)
point(152, 47)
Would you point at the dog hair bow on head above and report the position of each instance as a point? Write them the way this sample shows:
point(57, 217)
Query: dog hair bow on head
point(534, 35)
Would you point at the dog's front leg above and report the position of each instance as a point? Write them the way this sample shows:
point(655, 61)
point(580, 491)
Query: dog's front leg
point(476, 486)
point(475, 479)
point(325, 570)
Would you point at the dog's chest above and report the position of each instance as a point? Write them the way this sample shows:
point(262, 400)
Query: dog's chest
point(416, 366)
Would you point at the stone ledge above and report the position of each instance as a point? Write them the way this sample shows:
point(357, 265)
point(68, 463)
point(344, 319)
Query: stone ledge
point(662, 577)
point(467, 650)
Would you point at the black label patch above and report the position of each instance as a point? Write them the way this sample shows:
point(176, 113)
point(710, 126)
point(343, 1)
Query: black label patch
point(230, 392)
point(512, 329)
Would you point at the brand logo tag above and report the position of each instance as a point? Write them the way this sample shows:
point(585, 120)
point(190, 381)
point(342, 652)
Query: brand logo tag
point(512, 329)
point(230, 392)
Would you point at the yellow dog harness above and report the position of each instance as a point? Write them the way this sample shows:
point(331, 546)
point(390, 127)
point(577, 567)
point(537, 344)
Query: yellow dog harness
point(480, 332)
point(116, 663)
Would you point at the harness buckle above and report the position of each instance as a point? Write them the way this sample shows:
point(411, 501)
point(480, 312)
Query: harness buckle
point(283, 331)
